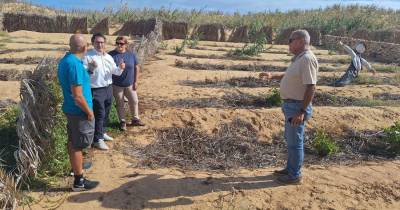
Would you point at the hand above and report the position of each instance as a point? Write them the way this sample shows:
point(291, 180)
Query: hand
point(266, 75)
point(340, 42)
point(134, 86)
point(90, 116)
point(297, 119)
point(122, 64)
point(373, 71)
point(92, 65)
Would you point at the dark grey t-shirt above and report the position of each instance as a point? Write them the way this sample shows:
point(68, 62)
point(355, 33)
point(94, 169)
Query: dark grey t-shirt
point(127, 77)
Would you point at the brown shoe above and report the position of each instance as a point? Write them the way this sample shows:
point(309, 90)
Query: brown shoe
point(287, 179)
point(281, 172)
point(137, 122)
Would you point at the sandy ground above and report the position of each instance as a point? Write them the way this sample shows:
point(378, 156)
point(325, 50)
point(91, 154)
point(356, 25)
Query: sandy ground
point(362, 185)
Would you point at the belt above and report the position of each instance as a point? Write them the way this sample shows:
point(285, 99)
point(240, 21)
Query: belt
point(292, 101)
point(98, 88)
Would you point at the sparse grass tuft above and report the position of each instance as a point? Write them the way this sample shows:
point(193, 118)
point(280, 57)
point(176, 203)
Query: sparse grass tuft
point(387, 68)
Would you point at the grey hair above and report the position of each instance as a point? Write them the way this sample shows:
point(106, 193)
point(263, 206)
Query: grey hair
point(301, 33)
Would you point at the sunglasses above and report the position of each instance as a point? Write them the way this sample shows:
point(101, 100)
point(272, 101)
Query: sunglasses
point(120, 43)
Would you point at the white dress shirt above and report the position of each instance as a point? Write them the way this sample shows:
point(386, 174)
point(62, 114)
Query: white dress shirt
point(106, 67)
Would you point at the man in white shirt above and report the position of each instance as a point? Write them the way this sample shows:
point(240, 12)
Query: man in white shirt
point(101, 67)
point(297, 91)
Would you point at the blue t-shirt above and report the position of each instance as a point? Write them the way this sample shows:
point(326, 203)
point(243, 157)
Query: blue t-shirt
point(72, 72)
point(128, 75)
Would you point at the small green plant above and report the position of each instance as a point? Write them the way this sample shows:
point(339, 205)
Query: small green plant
point(194, 41)
point(164, 45)
point(257, 45)
point(180, 48)
point(274, 99)
point(324, 144)
point(392, 137)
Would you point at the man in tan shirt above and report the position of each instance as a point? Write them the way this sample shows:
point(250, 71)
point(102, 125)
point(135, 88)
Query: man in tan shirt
point(297, 90)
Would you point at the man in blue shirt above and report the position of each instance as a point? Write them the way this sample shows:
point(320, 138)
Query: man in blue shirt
point(78, 108)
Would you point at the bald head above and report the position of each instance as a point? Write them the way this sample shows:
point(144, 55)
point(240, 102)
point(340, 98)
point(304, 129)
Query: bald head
point(77, 44)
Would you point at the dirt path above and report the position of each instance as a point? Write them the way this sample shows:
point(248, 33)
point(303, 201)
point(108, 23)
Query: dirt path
point(363, 185)
point(369, 185)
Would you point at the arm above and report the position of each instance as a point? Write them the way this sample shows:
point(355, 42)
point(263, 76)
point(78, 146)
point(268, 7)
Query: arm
point(80, 101)
point(308, 97)
point(135, 79)
point(269, 75)
point(368, 65)
point(136, 72)
point(116, 70)
point(348, 50)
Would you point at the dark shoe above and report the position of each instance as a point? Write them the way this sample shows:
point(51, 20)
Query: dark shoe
point(122, 126)
point(281, 172)
point(137, 122)
point(84, 184)
point(287, 179)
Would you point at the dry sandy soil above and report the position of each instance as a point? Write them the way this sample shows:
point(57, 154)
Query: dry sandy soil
point(355, 185)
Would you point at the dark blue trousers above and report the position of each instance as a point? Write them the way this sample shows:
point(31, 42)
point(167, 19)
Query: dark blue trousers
point(102, 101)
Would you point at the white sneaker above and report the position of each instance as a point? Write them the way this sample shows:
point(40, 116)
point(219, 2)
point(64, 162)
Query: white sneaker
point(101, 145)
point(107, 137)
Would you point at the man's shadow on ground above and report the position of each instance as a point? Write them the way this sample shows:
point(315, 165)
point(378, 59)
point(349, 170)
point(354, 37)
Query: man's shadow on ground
point(141, 192)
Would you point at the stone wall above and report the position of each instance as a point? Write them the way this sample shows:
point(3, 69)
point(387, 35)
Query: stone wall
point(377, 51)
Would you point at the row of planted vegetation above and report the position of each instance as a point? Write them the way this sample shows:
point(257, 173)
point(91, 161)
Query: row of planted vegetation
point(328, 20)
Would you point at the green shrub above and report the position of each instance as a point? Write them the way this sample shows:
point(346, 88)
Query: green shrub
point(56, 162)
point(392, 137)
point(274, 99)
point(8, 137)
point(324, 144)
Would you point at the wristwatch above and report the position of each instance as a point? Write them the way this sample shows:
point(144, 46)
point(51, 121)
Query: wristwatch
point(302, 111)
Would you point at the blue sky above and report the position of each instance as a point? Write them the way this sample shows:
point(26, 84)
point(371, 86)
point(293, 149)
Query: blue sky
point(242, 6)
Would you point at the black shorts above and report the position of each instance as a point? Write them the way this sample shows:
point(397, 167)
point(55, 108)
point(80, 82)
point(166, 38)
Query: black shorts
point(80, 131)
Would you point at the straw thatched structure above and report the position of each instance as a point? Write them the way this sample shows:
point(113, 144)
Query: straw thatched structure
point(210, 32)
point(101, 27)
point(174, 30)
